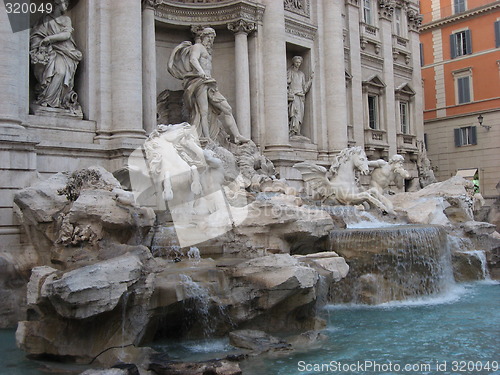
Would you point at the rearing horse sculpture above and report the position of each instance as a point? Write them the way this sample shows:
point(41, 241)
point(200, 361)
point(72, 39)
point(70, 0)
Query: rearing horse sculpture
point(339, 182)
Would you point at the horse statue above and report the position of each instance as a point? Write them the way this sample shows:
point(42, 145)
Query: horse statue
point(385, 173)
point(340, 183)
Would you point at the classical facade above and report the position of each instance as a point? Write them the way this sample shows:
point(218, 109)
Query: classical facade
point(366, 89)
point(461, 74)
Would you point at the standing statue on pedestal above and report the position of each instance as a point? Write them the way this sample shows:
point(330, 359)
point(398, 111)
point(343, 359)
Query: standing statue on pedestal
point(54, 57)
point(297, 90)
point(193, 64)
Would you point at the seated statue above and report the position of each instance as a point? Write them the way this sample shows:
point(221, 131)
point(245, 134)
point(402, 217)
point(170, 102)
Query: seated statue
point(385, 173)
point(54, 57)
point(193, 64)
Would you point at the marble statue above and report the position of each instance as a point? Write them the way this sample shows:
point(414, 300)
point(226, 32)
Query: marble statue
point(298, 87)
point(54, 57)
point(340, 183)
point(385, 173)
point(192, 63)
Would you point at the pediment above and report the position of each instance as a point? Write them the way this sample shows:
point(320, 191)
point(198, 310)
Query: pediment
point(405, 89)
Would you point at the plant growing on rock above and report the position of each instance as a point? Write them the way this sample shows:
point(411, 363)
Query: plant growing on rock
point(79, 180)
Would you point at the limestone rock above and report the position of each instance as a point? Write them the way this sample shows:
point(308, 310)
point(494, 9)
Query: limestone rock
point(213, 367)
point(257, 341)
point(478, 228)
point(112, 371)
point(468, 265)
point(94, 289)
point(280, 271)
point(328, 260)
point(67, 216)
point(37, 287)
point(442, 203)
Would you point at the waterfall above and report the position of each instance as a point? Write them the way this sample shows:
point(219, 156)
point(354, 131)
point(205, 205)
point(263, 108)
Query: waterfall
point(392, 263)
point(197, 303)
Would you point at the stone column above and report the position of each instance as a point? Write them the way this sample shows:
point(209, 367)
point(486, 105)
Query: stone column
point(241, 29)
point(13, 77)
point(275, 88)
point(149, 65)
point(336, 114)
point(356, 72)
point(385, 12)
point(126, 71)
point(414, 21)
point(17, 149)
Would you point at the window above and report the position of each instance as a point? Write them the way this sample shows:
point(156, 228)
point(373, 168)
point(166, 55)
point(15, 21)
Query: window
point(465, 136)
point(404, 117)
point(367, 12)
point(421, 54)
point(398, 22)
point(497, 34)
point(463, 90)
point(373, 112)
point(459, 6)
point(460, 43)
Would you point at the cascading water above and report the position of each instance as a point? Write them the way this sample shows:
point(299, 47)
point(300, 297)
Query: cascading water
point(197, 300)
point(391, 263)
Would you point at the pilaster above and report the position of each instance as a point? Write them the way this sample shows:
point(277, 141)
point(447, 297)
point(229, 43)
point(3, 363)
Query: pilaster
point(334, 75)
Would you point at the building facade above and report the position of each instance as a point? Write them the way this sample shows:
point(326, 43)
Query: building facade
point(461, 74)
point(366, 89)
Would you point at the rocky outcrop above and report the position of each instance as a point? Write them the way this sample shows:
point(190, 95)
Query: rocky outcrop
point(443, 203)
point(69, 218)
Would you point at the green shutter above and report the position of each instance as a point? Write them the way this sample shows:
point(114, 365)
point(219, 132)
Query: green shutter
point(473, 135)
point(497, 34)
point(468, 42)
point(453, 46)
point(458, 142)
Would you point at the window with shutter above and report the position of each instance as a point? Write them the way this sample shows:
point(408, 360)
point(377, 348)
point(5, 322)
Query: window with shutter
point(497, 34)
point(460, 43)
point(465, 136)
point(463, 86)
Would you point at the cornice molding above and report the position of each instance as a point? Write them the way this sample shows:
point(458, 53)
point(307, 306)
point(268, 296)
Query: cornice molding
point(214, 13)
point(460, 16)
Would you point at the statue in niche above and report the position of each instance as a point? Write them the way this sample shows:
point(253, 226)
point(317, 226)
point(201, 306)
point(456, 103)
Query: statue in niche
point(385, 173)
point(298, 87)
point(193, 64)
point(54, 57)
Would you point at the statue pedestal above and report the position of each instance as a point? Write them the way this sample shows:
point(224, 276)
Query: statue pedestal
point(39, 110)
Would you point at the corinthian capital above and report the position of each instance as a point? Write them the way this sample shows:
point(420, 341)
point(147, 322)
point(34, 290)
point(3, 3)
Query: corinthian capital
point(241, 26)
point(151, 3)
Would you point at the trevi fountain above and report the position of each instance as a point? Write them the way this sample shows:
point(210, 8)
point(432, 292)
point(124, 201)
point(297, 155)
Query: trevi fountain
point(197, 257)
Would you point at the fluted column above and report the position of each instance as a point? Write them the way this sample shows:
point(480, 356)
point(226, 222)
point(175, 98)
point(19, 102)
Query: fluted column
point(241, 30)
point(275, 88)
point(149, 65)
point(336, 113)
point(126, 73)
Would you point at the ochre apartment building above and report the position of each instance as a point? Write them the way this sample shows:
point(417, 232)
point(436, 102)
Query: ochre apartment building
point(460, 58)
